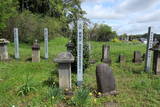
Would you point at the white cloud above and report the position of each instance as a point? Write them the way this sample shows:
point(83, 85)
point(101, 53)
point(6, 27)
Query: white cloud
point(125, 16)
point(153, 17)
point(101, 12)
point(136, 5)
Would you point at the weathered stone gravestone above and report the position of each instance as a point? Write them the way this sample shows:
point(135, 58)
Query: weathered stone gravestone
point(156, 58)
point(121, 58)
point(35, 52)
point(105, 54)
point(105, 78)
point(64, 60)
point(3, 49)
point(137, 57)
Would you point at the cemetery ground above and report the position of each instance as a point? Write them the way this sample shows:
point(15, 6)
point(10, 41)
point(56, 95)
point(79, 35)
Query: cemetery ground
point(38, 81)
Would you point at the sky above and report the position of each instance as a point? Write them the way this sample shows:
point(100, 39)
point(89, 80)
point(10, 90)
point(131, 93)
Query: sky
point(125, 16)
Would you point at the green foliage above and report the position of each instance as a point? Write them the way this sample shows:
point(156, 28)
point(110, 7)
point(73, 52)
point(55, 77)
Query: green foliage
point(31, 27)
point(135, 41)
point(55, 94)
point(7, 9)
point(102, 32)
point(26, 88)
point(115, 40)
point(81, 98)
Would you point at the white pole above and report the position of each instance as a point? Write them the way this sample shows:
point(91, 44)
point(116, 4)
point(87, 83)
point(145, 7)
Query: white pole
point(79, 52)
point(46, 42)
point(16, 42)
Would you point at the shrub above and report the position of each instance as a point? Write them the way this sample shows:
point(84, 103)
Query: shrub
point(55, 95)
point(31, 27)
point(81, 98)
point(116, 40)
point(26, 88)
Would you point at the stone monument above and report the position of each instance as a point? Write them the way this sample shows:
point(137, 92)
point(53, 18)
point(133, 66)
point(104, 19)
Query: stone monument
point(3, 50)
point(35, 52)
point(64, 61)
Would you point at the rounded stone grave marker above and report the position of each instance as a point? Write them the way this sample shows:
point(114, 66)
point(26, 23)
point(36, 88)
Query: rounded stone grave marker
point(105, 78)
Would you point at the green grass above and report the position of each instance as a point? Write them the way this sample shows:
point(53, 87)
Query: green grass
point(136, 89)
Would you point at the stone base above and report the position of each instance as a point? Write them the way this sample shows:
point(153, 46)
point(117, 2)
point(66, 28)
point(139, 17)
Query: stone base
point(114, 92)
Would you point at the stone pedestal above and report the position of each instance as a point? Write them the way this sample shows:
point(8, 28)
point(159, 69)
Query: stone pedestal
point(64, 60)
point(137, 57)
point(35, 52)
point(121, 58)
point(3, 50)
point(105, 78)
point(105, 54)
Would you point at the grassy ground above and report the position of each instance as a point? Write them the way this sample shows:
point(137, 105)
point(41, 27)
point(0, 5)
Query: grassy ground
point(136, 89)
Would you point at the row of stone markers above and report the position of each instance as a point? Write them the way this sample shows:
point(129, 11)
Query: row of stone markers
point(16, 42)
point(35, 48)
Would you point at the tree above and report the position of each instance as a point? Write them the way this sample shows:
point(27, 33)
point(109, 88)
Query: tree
point(7, 9)
point(102, 32)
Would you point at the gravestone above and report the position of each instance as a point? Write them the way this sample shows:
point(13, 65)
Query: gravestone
point(105, 54)
point(121, 58)
point(156, 58)
point(105, 78)
point(137, 57)
point(3, 50)
point(16, 43)
point(46, 42)
point(148, 51)
point(35, 52)
point(64, 61)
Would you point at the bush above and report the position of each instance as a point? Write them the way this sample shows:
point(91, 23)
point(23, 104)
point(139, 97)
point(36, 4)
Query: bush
point(31, 27)
point(102, 32)
point(116, 40)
